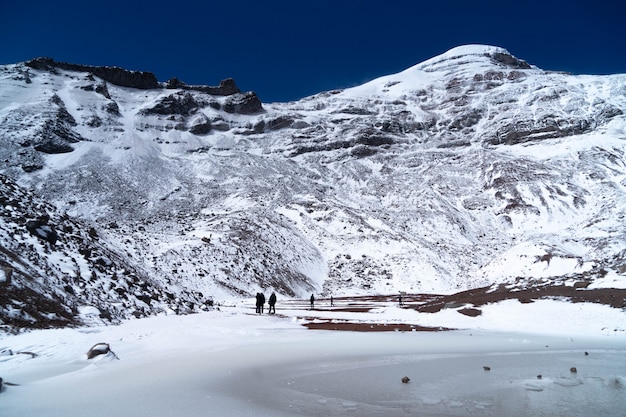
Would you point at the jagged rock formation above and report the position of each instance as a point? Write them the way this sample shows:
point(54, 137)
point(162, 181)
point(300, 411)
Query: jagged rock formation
point(113, 75)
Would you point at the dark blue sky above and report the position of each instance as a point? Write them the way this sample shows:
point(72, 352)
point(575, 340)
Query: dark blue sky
point(286, 50)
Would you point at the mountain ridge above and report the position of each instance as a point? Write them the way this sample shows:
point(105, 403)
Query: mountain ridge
point(470, 169)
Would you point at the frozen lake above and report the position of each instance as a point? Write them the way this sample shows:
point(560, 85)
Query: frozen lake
point(364, 377)
point(237, 364)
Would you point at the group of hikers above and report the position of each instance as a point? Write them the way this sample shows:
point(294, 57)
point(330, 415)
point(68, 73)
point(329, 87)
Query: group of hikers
point(260, 303)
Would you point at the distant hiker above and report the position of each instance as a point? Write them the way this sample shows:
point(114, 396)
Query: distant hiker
point(331, 301)
point(258, 302)
point(272, 303)
point(262, 302)
point(400, 302)
point(312, 301)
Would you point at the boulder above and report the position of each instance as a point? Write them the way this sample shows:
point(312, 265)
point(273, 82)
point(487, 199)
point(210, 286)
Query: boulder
point(98, 349)
point(41, 229)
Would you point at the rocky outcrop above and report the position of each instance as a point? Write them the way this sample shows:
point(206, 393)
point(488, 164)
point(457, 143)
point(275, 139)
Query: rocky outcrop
point(41, 229)
point(200, 125)
point(509, 61)
point(243, 103)
point(113, 75)
point(548, 128)
point(227, 87)
point(179, 103)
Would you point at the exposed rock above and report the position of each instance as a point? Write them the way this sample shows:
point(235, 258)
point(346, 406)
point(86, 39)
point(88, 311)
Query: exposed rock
point(114, 75)
point(31, 167)
point(547, 128)
point(103, 89)
point(175, 83)
point(280, 123)
point(243, 103)
point(356, 111)
point(6, 278)
point(510, 61)
point(471, 312)
point(98, 349)
point(227, 87)
point(112, 108)
point(201, 125)
point(179, 103)
point(42, 229)
point(52, 146)
point(406, 379)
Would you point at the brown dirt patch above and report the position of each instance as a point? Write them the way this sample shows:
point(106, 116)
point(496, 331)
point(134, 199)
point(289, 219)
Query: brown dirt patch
point(613, 297)
point(370, 327)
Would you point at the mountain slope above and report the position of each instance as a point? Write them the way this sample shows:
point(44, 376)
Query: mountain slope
point(471, 168)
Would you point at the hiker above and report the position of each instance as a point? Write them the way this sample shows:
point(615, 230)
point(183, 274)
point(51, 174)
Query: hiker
point(258, 302)
point(262, 300)
point(312, 301)
point(400, 303)
point(331, 301)
point(272, 303)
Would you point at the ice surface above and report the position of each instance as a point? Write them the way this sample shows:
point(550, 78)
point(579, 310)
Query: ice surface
point(233, 363)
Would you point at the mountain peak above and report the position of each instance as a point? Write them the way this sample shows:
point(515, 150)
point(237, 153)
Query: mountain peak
point(466, 54)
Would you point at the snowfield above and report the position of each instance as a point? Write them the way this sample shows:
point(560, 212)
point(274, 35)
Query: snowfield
point(490, 192)
point(513, 360)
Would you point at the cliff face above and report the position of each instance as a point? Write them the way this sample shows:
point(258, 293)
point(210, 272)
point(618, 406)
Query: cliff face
point(113, 75)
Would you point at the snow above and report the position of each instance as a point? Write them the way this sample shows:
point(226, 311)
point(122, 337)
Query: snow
point(444, 207)
point(611, 280)
point(231, 362)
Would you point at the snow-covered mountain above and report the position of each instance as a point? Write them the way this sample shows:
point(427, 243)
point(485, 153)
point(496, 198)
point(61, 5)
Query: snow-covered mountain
point(471, 168)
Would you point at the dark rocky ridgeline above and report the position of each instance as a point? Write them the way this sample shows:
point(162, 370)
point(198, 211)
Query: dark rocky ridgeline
point(237, 102)
point(142, 79)
point(114, 75)
point(227, 87)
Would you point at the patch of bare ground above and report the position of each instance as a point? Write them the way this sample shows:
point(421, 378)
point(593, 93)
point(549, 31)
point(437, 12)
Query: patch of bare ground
point(477, 297)
point(466, 302)
point(369, 327)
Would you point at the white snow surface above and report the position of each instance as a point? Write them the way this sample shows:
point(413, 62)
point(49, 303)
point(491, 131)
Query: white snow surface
point(233, 362)
point(459, 172)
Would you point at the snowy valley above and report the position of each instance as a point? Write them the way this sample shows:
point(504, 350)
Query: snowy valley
point(139, 218)
point(128, 197)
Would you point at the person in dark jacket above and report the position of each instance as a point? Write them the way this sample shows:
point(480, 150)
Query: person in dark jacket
point(262, 300)
point(312, 301)
point(258, 302)
point(272, 303)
